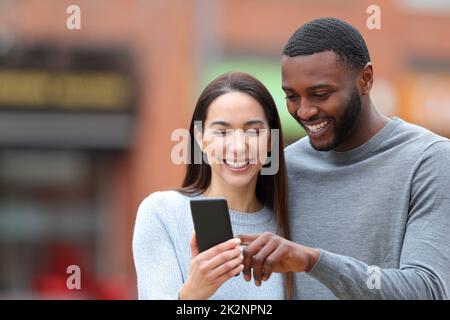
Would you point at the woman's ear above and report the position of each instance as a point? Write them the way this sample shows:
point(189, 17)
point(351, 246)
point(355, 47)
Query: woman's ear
point(269, 140)
point(268, 160)
point(268, 146)
point(198, 137)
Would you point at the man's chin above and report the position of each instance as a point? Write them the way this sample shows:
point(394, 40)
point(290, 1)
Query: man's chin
point(326, 146)
point(320, 147)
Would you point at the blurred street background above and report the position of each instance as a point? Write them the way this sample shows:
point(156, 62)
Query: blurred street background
point(86, 115)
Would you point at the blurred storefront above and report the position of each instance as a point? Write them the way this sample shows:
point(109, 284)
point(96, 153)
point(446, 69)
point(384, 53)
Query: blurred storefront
point(85, 122)
point(86, 115)
point(65, 115)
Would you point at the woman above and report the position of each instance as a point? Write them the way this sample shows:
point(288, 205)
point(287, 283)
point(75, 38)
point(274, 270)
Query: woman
point(227, 125)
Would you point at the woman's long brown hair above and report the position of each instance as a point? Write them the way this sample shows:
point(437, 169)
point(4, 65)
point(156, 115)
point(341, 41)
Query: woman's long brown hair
point(270, 189)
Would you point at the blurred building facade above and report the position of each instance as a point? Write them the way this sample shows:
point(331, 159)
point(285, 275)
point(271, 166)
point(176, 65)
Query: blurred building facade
point(75, 162)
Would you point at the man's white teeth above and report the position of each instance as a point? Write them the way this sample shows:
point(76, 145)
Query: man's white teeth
point(317, 127)
point(237, 165)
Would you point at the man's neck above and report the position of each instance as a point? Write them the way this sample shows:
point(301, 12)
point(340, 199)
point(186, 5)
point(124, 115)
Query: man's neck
point(370, 122)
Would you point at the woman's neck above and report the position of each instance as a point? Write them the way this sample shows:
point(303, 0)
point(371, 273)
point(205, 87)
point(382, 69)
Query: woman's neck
point(238, 199)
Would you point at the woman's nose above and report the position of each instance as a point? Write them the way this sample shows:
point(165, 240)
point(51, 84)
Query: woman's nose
point(236, 145)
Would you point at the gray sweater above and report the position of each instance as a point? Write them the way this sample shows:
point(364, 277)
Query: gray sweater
point(162, 253)
point(384, 204)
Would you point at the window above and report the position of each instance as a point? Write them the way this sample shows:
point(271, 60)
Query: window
point(427, 6)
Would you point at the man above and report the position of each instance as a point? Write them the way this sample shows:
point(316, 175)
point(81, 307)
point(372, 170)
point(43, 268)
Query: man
point(369, 197)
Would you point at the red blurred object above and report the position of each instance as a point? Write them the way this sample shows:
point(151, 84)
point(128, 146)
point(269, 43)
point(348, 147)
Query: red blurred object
point(52, 283)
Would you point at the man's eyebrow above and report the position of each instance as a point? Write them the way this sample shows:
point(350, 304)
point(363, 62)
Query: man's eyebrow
point(286, 88)
point(320, 86)
point(312, 88)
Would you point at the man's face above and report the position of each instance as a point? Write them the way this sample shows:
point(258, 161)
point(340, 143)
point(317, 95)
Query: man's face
point(322, 96)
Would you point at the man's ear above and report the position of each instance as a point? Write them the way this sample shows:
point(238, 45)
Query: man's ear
point(366, 79)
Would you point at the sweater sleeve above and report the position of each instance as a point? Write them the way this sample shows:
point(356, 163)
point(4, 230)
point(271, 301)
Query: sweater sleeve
point(424, 270)
point(157, 266)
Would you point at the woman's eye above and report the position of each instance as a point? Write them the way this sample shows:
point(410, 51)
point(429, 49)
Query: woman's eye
point(252, 132)
point(220, 133)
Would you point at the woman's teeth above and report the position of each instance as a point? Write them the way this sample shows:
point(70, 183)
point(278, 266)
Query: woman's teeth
point(317, 127)
point(237, 165)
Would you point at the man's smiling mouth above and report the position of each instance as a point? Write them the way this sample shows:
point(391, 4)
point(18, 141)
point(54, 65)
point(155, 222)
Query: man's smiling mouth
point(317, 128)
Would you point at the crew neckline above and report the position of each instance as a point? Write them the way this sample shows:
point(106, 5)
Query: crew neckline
point(366, 148)
point(262, 216)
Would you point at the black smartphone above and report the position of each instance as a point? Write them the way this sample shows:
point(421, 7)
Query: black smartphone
point(211, 222)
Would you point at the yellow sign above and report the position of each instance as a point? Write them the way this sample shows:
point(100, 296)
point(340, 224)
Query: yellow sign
point(25, 89)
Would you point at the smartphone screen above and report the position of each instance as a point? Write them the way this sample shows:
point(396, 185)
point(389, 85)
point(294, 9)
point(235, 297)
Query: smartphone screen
point(211, 222)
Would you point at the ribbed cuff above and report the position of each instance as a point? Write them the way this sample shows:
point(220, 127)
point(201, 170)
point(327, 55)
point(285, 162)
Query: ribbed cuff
point(329, 269)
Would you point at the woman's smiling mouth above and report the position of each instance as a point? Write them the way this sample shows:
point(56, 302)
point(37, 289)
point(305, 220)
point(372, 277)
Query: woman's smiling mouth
point(237, 166)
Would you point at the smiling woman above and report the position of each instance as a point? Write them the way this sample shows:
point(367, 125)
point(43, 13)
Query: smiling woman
point(231, 137)
point(232, 104)
point(227, 128)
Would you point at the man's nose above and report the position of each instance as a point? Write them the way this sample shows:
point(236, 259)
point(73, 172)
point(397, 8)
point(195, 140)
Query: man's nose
point(306, 110)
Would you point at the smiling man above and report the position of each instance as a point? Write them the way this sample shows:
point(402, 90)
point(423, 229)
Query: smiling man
point(368, 195)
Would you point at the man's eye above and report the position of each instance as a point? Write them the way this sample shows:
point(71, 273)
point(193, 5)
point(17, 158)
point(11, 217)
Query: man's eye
point(291, 97)
point(322, 95)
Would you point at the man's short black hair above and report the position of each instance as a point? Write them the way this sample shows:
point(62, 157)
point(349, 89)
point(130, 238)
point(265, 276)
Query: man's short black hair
point(329, 34)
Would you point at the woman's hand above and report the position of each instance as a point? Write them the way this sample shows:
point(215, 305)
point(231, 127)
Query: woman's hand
point(211, 268)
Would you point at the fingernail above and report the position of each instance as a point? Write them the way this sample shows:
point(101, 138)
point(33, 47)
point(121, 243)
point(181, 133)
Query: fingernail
point(238, 241)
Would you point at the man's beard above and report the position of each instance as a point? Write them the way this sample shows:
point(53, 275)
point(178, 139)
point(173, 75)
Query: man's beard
point(344, 128)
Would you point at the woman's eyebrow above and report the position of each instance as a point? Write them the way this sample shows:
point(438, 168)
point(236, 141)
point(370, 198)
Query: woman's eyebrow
point(250, 122)
point(247, 123)
point(220, 123)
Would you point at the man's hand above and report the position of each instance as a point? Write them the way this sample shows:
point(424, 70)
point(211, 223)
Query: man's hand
point(266, 253)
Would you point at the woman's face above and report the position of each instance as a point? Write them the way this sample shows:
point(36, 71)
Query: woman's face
point(236, 137)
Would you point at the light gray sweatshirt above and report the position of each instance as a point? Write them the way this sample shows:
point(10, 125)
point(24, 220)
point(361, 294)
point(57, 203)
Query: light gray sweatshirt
point(161, 249)
point(384, 204)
